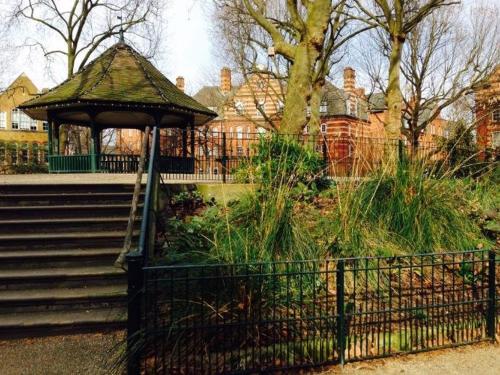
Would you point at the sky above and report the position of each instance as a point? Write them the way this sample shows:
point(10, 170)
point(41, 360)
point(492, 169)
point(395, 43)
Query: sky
point(186, 49)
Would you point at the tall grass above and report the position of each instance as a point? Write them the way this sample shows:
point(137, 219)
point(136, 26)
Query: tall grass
point(404, 212)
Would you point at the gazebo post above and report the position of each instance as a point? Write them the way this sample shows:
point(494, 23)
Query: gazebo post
point(57, 150)
point(191, 125)
point(94, 143)
point(50, 134)
point(184, 143)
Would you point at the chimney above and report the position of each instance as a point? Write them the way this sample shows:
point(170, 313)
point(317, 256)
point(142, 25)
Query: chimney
point(179, 82)
point(349, 80)
point(225, 80)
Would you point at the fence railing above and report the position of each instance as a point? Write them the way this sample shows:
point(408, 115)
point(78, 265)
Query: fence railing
point(264, 317)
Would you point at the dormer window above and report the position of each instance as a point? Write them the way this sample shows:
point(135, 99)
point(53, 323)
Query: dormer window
point(323, 108)
point(495, 116)
point(240, 107)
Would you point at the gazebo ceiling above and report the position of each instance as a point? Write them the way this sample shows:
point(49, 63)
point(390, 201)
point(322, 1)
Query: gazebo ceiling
point(120, 89)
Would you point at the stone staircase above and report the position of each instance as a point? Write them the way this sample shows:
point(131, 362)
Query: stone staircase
point(57, 248)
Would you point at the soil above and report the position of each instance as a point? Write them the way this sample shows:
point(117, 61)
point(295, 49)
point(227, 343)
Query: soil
point(97, 354)
point(479, 359)
point(73, 354)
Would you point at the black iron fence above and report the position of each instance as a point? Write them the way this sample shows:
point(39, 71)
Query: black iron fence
point(279, 316)
point(218, 155)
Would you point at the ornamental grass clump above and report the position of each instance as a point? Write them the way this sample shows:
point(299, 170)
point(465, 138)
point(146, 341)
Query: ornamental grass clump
point(405, 212)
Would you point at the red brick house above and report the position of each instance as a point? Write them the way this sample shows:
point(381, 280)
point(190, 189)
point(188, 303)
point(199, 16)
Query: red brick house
point(487, 111)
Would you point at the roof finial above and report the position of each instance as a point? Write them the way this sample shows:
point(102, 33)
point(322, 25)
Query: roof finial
point(122, 36)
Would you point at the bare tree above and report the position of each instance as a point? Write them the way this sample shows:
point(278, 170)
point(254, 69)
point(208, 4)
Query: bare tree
point(442, 62)
point(445, 60)
point(396, 19)
point(304, 36)
point(77, 29)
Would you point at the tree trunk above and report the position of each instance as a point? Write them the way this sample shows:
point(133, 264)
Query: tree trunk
point(394, 96)
point(297, 94)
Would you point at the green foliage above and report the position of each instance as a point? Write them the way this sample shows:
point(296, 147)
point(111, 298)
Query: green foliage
point(29, 168)
point(403, 213)
point(282, 160)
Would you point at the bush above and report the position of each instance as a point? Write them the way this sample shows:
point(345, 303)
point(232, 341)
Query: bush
point(281, 160)
point(29, 168)
point(404, 213)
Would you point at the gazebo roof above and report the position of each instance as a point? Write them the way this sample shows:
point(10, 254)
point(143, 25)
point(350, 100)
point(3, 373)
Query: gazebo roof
point(119, 83)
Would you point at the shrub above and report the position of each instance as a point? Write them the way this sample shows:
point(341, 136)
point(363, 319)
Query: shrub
point(282, 160)
point(404, 213)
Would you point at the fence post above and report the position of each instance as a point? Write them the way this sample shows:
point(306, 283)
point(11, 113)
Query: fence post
point(134, 302)
point(491, 317)
point(325, 155)
point(401, 150)
point(340, 312)
point(224, 157)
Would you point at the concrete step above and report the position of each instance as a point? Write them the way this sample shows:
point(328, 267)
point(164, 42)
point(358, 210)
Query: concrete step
point(28, 259)
point(58, 322)
point(53, 299)
point(66, 277)
point(72, 240)
point(63, 198)
point(65, 211)
point(65, 188)
point(65, 225)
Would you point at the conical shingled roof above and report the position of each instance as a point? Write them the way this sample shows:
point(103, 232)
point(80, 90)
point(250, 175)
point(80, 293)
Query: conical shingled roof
point(119, 76)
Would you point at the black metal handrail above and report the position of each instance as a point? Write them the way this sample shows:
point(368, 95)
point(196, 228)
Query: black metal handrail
point(138, 259)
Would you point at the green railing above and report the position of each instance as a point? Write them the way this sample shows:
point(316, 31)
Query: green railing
point(70, 163)
point(110, 163)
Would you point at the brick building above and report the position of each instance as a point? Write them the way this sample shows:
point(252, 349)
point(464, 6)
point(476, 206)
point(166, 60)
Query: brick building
point(487, 111)
point(22, 139)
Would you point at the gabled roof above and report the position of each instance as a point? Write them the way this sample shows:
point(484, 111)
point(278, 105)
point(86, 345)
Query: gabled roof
point(119, 76)
point(377, 102)
point(336, 100)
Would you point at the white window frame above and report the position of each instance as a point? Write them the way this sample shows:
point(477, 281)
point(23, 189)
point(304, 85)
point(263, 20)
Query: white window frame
point(240, 107)
point(323, 108)
point(495, 115)
point(495, 139)
point(3, 120)
point(261, 105)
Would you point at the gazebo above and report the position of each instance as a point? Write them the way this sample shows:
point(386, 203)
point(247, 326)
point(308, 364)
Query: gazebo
point(119, 89)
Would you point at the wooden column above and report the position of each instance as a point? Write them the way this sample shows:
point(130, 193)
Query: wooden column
point(94, 144)
point(191, 126)
point(57, 146)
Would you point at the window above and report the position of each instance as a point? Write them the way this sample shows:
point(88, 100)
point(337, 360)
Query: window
point(260, 107)
point(239, 151)
point(324, 128)
point(45, 125)
point(495, 140)
point(20, 121)
point(306, 129)
point(352, 106)
point(281, 106)
point(308, 111)
point(3, 120)
point(239, 135)
point(496, 115)
point(240, 107)
point(323, 108)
